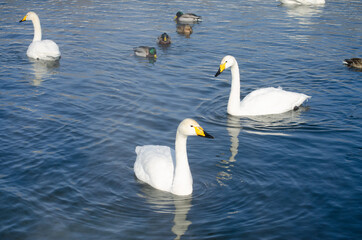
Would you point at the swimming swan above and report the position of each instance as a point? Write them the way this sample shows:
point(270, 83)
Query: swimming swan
point(40, 49)
point(164, 168)
point(262, 101)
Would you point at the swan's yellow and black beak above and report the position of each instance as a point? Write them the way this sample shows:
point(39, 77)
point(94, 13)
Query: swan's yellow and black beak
point(24, 19)
point(221, 69)
point(202, 133)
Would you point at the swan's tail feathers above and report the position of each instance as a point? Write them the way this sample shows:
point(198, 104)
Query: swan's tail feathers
point(138, 149)
point(301, 100)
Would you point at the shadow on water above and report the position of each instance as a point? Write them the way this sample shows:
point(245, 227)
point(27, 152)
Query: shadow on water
point(164, 202)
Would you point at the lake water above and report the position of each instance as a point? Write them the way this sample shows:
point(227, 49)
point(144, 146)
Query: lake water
point(69, 129)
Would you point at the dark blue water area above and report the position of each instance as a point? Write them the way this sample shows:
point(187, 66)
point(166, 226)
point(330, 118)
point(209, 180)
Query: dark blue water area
point(68, 129)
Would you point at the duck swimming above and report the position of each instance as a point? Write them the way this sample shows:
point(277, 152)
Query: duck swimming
point(353, 62)
point(187, 17)
point(184, 29)
point(143, 51)
point(164, 39)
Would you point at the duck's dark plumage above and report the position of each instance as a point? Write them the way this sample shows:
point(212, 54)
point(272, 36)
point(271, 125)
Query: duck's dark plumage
point(164, 39)
point(353, 62)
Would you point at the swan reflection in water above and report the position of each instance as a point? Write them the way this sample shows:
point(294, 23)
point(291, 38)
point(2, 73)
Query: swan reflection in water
point(233, 128)
point(304, 13)
point(164, 202)
point(274, 124)
point(42, 69)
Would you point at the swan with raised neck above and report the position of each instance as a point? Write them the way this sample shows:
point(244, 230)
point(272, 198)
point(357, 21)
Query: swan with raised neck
point(166, 169)
point(263, 101)
point(40, 49)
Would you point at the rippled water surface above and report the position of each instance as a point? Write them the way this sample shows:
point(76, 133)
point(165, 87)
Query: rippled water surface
point(69, 129)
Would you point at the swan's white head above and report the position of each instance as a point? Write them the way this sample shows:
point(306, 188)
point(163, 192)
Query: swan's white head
point(190, 127)
point(30, 16)
point(226, 62)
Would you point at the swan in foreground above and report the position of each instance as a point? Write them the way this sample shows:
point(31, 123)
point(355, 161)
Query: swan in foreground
point(187, 17)
point(353, 62)
point(166, 169)
point(40, 49)
point(303, 2)
point(262, 101)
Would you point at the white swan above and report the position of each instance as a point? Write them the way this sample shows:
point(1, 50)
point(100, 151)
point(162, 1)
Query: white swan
point(40, 49)
point(164, 168)
point(303, 2)
point(262, 101)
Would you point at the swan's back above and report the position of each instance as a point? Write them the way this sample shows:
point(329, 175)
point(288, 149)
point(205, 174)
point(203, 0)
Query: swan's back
point(270, 101)
point(45, 50)
point(155, 165)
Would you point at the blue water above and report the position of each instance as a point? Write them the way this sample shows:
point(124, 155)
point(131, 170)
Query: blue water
point(69, 129)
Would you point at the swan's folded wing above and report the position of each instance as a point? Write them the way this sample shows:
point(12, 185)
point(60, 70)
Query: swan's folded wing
point(155, 166)
point(271, 101)
point(45, 50)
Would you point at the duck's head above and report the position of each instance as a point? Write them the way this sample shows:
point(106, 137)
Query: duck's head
point(153, 52)
point(190, 127)
point(226, 62)
point(29, 16)
point(178, 14)
point(165, 37)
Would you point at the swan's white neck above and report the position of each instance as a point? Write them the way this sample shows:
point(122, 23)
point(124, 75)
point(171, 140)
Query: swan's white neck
point(234, 98)
point(37, 28)
point(182, 181)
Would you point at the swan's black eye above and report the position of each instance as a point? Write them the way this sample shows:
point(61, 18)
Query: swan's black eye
point(192, 125)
